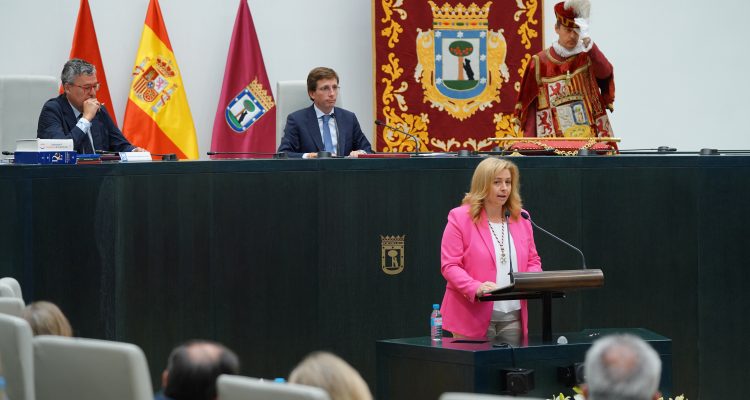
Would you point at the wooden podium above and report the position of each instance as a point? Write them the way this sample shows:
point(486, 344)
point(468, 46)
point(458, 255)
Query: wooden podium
point(546, 285)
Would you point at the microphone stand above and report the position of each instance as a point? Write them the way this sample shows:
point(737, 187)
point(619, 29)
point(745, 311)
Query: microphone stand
point(528, 217)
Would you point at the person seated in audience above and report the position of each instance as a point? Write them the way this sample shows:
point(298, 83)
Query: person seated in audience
point(334, 375)
point(622, 367)
point(45, 318)
point(192, 370)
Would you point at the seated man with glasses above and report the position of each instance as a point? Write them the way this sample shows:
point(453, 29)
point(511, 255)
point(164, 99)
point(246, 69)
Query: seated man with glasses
point(322, 126)
point(77, 114)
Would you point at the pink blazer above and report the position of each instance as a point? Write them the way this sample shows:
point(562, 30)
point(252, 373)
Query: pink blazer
point(467, 257)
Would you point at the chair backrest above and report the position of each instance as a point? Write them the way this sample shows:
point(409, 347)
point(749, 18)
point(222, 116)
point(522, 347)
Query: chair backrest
point(21, 101)
point(7, 291)
point(290, 97)
point(233, 387)
point(89, 369)
point(13, 284)
point(475, 396)
point(12, 306)
point(17, 357)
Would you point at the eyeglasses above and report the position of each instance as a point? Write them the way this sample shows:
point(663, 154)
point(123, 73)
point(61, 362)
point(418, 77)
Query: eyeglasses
point(334, 88)
point(87, 88)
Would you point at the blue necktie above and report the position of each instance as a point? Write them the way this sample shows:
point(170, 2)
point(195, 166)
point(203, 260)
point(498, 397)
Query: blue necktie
point(327, 141)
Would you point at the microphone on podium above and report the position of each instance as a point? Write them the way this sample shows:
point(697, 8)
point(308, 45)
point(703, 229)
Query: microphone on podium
point(393, 128)
point(526, 216)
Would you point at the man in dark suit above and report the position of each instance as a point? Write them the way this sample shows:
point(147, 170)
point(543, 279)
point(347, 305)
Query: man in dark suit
point(322, 126)
point(77, 114)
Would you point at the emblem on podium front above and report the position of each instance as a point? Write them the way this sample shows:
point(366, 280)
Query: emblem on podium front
point(392, 254)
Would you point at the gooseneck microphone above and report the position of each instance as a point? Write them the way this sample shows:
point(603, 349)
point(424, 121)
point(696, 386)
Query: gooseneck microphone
point(393, 128)
point(510, 248)
point(526, 216)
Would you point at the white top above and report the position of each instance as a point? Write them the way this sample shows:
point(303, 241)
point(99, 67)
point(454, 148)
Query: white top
point(503, 279)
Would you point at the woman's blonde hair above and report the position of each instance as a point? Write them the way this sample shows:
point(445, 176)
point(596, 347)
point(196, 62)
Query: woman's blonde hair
point(46, 318)
point(331, 373)
point(481, 183)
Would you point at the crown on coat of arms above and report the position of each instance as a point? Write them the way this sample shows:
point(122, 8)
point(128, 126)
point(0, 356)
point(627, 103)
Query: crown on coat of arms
point(164, 67)
point(394, 240)
point(261, 94)
point(460, 16)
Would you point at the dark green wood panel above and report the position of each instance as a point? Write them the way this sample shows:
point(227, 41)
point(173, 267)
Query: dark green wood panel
point(724, 278)
point(642, 232)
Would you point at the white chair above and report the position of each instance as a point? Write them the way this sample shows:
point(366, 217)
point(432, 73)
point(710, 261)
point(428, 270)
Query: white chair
point(12, 306)
point(89, 369)
point(13, 284)
point(17, 357)
point(290, 97)
point(21, 101)
point(475, 396)
point(233, 387)
point(6, 291)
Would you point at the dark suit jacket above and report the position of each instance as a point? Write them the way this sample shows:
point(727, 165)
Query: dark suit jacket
point(57, 121)
point(302, 133)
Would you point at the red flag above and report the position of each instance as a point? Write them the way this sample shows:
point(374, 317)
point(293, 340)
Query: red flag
point(86, 47)
point(246, 115)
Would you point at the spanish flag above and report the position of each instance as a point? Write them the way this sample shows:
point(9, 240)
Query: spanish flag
point(157, 116)
point(86, 47)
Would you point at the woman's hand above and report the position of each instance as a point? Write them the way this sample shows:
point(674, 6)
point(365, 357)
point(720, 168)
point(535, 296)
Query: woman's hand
point(486, 287)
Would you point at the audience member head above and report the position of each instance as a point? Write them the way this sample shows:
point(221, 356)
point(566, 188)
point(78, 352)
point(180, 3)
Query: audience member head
point(622, 367)
point(46, 318)
point(334, 375)
point(193, 367)
point(481, 185)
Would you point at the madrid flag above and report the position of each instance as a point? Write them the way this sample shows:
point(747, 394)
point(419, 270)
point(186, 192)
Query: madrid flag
point(245, 118)
point(86, 47)
point(157, 116)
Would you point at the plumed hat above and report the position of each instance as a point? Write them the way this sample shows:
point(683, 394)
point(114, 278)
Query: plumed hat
point(567, 11)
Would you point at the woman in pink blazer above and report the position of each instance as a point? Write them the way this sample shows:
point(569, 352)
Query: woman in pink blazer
point(483, 236)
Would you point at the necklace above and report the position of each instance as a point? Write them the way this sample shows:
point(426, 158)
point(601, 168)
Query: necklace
point(503, 258)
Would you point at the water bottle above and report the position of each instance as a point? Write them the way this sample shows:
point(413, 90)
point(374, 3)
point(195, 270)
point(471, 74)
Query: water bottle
point(2, 388)
point(436, 323)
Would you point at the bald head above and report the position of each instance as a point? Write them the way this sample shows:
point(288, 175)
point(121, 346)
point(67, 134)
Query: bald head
point(204, 352)
point(193, 367)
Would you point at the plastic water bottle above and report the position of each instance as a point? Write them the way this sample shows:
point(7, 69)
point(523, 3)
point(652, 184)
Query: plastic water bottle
point(436, 323)
point(3, 396)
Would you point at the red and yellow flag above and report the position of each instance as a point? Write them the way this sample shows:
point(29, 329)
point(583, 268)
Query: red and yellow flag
point(86, 47)
point(157, 116)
